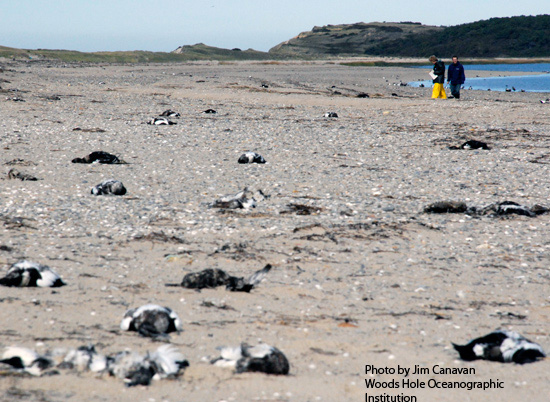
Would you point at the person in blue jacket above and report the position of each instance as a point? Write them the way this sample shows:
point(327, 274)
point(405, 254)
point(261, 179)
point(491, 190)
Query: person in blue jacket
point(456, 77)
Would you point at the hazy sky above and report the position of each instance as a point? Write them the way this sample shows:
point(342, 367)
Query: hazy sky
point(164, 25)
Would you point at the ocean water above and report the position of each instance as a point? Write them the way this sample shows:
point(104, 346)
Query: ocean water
point(529, 83)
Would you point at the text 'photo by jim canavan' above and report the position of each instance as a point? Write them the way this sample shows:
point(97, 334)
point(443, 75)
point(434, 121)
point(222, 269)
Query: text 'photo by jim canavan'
point(406, 382)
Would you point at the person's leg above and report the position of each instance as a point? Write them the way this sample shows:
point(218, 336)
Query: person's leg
point(442, 93)
point(455, 90)
point(435, 91)
point(439, 91)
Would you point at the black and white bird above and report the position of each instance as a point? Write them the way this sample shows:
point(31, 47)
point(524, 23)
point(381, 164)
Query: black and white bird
point(331, 115)
point(209, 111)
point(14, 174)
point(510, 207)
point(27, 273)
point(170, 113)
point(213, 277)
point(251, 157)
point(166, 362)
point(99, 157)
point(261, 358)
point(85, 358)
point(501, 346)
point(26, 360)
point(472, 144)
point(244, 199)
point(151, 320)
point(109, 187)
point(161, 121)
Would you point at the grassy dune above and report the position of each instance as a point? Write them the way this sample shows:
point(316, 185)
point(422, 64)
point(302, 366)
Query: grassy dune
point(196, 52)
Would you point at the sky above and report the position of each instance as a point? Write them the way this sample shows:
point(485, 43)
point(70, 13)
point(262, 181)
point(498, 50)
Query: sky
point(112, 25)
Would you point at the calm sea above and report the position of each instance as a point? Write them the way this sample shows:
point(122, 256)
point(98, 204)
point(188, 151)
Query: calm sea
point(529, 83)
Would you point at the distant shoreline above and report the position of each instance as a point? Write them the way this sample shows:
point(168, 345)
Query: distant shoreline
point(210, 54)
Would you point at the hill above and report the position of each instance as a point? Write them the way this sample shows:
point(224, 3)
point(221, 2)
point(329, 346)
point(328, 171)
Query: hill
point(524, 36)
point(348, 39)
point(182, 54)
point(200, 51)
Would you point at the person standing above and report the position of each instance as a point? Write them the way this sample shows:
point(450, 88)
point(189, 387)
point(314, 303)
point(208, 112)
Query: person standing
point(456, 77)
point(438, 77)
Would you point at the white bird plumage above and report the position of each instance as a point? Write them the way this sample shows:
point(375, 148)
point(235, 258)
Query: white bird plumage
point(28, 273)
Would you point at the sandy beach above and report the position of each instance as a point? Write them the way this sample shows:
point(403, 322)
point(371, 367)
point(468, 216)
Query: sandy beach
point(361, 275)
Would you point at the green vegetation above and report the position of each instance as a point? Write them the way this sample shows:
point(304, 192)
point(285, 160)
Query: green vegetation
point(524, 36)
point(201, 51)
point(188, 53)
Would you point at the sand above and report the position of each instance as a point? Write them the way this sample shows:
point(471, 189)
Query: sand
point(365, 278)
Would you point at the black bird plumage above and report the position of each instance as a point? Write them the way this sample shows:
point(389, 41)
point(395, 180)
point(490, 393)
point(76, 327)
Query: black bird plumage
point(99, 157)
point(211, 278)
point(501, 346)
point(151, 320)
point(472, 144)
point(169, 113)
point(251, 157)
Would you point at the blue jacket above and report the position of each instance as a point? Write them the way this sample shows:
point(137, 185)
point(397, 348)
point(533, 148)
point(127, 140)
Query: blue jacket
point(455, 74)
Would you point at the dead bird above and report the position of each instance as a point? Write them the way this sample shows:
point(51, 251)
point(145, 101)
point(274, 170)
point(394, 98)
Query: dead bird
point(84, 358)
point(251, 157)
point(211, 278)
point(209, 111)
point(244, 199)
point(509, 208)
point(109, 187)
point(301, 209)
point(161, 121)
point(501, 346)
point(495, 209)
point(331, 115)
point(170, 113)
point(441, 207)
point(26, 360)
point(472, 144)
point(151, 320)
point(261, 358)
point(27, 273)
point(167, 361)
point(14, 174)
point(99, 157)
